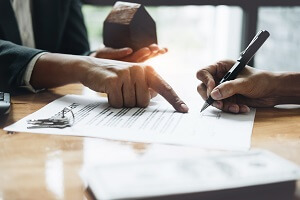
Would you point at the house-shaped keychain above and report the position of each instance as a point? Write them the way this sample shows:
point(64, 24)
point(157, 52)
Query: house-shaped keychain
point(129, 25)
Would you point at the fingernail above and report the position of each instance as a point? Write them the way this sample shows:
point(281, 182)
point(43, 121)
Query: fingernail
point(245, 109)
point(129, 51)
point(162, 51)
point(216, 95)
point(184, 108)
point(233, 109)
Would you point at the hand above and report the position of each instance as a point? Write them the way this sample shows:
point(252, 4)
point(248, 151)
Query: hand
point(127, 54)
point(252, 87)
point(128, 84)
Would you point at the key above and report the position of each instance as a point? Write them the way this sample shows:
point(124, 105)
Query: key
point(53, 122)
point(49, 123)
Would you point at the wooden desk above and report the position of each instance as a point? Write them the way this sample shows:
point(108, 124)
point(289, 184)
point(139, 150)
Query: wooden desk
point(34, 166)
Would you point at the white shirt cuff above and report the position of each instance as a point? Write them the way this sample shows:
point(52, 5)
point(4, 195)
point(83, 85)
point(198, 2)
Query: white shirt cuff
point(28, 72)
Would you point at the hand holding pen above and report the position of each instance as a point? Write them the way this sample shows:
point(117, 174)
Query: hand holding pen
point(236, 93)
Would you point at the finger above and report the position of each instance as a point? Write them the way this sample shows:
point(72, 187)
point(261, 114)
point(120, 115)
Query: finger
point(218, 104)
point(142, 93)
point(154, 48)
point(152, 55)
point(139, 55)
point(163, 88)
point(235, 108)
point(152, 93)
point(230, 107)
point(211, 70)
point(115, 98)
point(155, 51)
point(143, 59)
point(206, 76)
point(128, 91)
point(163, 51)
point(110, 53)
point(202, 90)
point(144, 55)
point(244, 108)
point(217, 70)
point(227, 89)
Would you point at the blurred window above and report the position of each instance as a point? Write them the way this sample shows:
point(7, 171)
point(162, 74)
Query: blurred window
point(282, 50)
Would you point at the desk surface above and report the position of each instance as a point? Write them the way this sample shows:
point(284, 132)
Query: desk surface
point(34, 166)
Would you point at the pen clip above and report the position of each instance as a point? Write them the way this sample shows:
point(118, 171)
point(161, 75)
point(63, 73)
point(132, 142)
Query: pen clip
point(255, 44)
point(251, 43)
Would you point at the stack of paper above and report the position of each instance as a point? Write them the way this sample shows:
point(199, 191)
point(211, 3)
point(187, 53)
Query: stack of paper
point(250, 175)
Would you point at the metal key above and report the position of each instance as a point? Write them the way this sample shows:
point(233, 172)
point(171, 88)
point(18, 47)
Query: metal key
point(49, 123)
point(53, 122)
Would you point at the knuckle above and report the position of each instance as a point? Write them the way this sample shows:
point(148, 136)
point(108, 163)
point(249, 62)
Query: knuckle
point(136, 68)
point(124, 73)
point(149, 69)
point(204, 76)
point(111, 80)
point(228, 88)
point(224, 65)
point(167, 90)
point(201, 73)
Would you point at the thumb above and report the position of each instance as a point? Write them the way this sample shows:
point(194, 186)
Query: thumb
point(227, 89)
point(110, 53)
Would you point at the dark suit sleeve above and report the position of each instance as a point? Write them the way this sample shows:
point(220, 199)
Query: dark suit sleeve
point(75, 40)
point(13, 62)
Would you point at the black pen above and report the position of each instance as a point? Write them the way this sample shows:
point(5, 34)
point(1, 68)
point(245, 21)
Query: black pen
point(242, 61)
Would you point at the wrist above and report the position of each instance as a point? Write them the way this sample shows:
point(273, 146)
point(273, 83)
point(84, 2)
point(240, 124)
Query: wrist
point(287, 87)
point(53, 70)
point(79, 68)
point(287, 84)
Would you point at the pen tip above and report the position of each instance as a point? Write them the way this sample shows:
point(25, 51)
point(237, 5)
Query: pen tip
point(204, 107)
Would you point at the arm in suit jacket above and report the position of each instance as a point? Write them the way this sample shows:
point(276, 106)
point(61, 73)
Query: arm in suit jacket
point(13, 62)
point(58, 27)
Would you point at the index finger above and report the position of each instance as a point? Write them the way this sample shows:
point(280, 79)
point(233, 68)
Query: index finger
point(206, 76)
point(214, 73)
point(164, 89)
point(217, 70)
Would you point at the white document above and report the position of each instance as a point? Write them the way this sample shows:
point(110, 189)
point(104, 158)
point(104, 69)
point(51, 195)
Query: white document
point(190, 175)
point(158, 123)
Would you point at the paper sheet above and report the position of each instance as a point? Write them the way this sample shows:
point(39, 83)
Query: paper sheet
point(181, 176)
point(159, 123)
